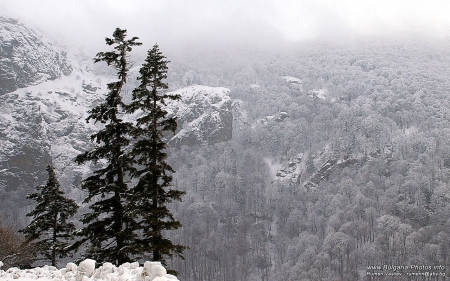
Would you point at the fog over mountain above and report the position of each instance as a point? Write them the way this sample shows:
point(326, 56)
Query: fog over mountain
point(177, 25)
point(321, 156)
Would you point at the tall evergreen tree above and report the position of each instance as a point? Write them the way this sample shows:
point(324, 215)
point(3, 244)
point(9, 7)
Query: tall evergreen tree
point(152, 192)
point(107, 227)
point(49, 230)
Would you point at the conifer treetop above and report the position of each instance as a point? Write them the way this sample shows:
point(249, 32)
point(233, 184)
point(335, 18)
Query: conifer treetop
point(117, 58)
point(123, 47)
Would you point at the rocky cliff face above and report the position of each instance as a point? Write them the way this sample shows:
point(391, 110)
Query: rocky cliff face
point(44, 99)
point(41, 125)
point(204, 115)
point(309, 170)
point(45, 124)
point(27, 57)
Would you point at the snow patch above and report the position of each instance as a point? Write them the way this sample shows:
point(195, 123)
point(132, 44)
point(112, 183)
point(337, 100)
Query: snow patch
point(198, 94)
point(278, 117)
point(292, 80)
point(318, 94)
point(274, 166)
point(292, 169)
point(410, 131)
point(151, 271)
point(199, 105)
point(86, 268)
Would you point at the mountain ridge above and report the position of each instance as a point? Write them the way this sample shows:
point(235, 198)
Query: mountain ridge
point(43, 118)
point(27, 57)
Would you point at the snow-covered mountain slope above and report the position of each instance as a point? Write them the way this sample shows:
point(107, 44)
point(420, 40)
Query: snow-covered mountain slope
point(45, 124)
point(204, 115)
point(27, 57)
point(42, 113)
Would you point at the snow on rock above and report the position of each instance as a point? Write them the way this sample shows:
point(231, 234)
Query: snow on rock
point(86, 268)
point(43, 113)
point(318, 94)
point(278, 117)
point(44, 124)
point(204, 115)
point(154, 271)
point(292, 80)
point(292, 169)
point(27, 57)
point(151, 271)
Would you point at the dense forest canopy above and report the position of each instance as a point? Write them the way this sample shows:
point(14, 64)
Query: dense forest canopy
point(369, 127)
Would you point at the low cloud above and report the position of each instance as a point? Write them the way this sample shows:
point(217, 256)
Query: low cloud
point(211, 22)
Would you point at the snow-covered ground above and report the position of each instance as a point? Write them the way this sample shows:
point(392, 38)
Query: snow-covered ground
point(86, 271)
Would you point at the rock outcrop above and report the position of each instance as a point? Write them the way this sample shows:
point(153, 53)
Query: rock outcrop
point(44, 100)
point(205, 116)
point(45, 124)
point(27, 57)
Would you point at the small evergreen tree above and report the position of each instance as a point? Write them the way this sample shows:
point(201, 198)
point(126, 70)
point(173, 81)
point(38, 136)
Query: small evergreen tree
point(49, 230)
point(152, 192)
point(107, 227)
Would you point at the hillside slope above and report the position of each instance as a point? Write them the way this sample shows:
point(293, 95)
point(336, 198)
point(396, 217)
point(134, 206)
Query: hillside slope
point(43, 122)
point(27, 57)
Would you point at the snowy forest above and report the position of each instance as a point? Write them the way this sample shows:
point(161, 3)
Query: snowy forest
point(339, 161)
point(373, 157)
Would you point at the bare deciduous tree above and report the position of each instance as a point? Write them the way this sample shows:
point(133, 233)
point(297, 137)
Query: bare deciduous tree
point(14, 249)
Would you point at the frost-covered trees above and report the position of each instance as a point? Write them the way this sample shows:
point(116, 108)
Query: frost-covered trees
point(152, 192)
point(50, 229)
point(108, 227)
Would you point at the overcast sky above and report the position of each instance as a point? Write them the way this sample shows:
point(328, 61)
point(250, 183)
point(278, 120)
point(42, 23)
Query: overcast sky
point(88, 22)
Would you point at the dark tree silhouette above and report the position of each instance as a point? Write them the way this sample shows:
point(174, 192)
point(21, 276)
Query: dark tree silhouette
point(152, 192)
point(107, 227)
point(49, 230)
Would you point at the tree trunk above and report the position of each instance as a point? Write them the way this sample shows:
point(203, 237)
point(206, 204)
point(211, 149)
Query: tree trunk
point(55, 226)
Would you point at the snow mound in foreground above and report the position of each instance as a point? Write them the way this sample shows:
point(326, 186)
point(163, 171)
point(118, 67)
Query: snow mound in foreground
point(151, 271)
